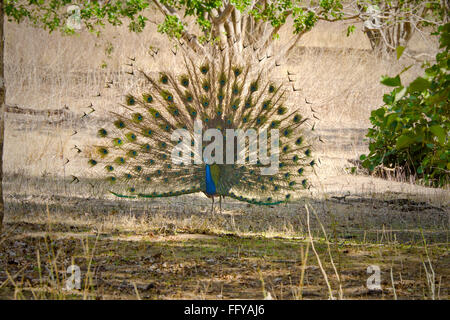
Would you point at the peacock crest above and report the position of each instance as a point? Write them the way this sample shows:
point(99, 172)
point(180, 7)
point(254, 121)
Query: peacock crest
point(220, 127)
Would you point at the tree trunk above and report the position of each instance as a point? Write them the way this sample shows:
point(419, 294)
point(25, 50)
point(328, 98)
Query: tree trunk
point(2, 110)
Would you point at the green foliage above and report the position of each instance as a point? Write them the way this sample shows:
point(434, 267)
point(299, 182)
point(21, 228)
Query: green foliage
point(350, 30)
point(172, 27)
point(412, 128)
point(52, 15)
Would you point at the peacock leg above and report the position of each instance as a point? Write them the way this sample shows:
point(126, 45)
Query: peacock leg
point(212, 207)
point(220, 204)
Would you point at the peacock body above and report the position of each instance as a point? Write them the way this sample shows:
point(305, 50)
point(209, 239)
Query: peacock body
point(176, 134)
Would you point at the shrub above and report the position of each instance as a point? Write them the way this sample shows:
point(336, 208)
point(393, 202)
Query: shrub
point(412, 129)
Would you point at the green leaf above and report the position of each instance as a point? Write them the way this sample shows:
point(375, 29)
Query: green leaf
point(399, 50)
point(403, 141)
point(350, 30)
point(439, 132)
point(400, 94)
point(420, 84)
point(379, 113)
point(391, 82)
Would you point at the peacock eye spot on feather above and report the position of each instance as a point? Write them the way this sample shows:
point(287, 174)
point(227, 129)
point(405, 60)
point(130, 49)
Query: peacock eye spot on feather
point(119, 124)
point(220, 97)
point(169, 166)
point(312, 163)
point(281, 165)
point(138, 168)
point(102, 133)
point(286, 175)
point(151, 161)
point(120, 160)
point(148, 178)
point(300, 171)
point(299, 141)
point(146, 146)
point(92, 162)
point(271, 179)
point(132, 189)
point(130, 100)
point(285, 148)
point(137, 117)
point(132, 153)
point(103, 151)
point(164, 79)
point(292, 183)
point(297, 118)
point(204, 69)
point(149, 99)
point(275, 124)
point(109, 168)
point(281, 110)
point(271, 88)
point(263, 187)
point(295, 158)
point(276, 188)
point(304, 183)
point(112, 179)
point(205, 103)
point(307, 152)
point(254, 86)
point(166, 180)
point(184, 81)
point(128, 176)
point(131, 136)
point(288, 196)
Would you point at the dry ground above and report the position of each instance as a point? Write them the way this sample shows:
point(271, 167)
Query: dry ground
point(174, 248)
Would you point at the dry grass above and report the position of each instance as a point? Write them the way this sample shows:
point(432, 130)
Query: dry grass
point(172, 249)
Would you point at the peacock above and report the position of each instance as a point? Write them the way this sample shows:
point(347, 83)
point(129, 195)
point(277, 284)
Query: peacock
point(221, 126)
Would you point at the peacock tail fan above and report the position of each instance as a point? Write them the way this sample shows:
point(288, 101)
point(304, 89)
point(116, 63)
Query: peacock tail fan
point(159, 142)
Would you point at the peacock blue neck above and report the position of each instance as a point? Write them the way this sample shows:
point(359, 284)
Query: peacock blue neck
point(210, 185)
